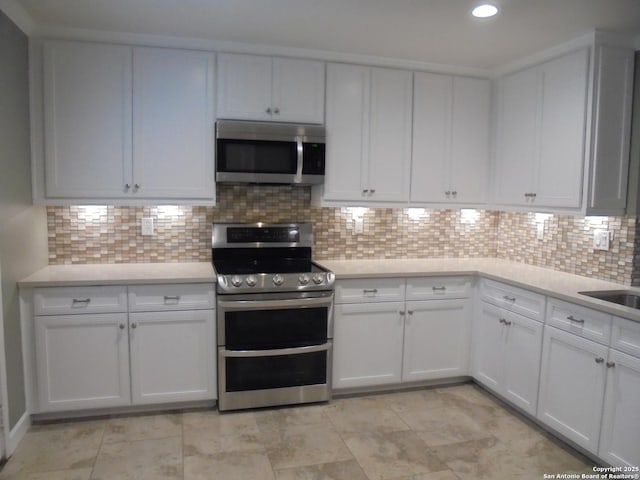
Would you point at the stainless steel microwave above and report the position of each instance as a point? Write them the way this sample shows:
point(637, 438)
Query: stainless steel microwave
point(254, 152)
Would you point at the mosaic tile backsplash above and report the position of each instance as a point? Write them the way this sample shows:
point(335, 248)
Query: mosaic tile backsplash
point(108, 234)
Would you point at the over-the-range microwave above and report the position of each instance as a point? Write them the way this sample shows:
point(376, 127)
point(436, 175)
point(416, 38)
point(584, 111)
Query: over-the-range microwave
point(255, 152)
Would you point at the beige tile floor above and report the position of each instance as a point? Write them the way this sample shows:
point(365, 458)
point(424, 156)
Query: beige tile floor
point(449, 433)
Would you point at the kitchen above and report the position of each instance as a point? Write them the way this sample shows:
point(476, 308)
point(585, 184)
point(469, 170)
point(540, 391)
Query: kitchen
point(393, 227)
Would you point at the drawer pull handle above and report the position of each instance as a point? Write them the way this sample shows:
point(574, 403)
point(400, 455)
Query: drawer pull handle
point(172, 298)
point(611, 364)
point(599, 360)
point(84, 301)
point(370, 290)
point(508, 298)
point(574, 319)
point(440, 289)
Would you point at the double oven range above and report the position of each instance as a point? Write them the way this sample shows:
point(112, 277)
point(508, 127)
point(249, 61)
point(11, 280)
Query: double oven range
point(274, 316)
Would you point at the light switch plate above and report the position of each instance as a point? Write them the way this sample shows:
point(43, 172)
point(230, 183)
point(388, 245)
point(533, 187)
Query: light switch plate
point(601, 239)
point(147, 226)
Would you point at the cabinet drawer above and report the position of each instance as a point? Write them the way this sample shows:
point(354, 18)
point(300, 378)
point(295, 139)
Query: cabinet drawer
point(625, 336)
point(370, 290)
point(516, 299)
point(75, 300)
point(185, 296)
point(428, 288)
point(581, 321)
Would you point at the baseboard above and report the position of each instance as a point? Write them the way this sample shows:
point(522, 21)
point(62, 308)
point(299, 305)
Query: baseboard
point(17, 433)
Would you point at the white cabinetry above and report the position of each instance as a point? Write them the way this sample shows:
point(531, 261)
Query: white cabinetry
point(571, 386)
point(563, 133)
point(451, 128)
point(172, 343)
point(90, 354)
point(541, 133)
point(125, 125)
point(253, 87)
point(368, 122)
point(507, 344)
point(379, 339)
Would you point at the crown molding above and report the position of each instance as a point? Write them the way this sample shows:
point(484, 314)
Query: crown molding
point(18, 15)
point(49, 31)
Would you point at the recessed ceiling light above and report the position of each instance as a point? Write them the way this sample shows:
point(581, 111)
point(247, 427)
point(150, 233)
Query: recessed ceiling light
point(484, 11)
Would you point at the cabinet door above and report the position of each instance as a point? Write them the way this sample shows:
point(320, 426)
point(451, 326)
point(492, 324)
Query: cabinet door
point(367, 345)
point(82, 361)
point(298, 90)
point(390, 135)
point(173, 124)
point(523, 349)
point(172, 356)
point(488, 346)
point(559, 174)
point(572, 382)
point(432, 101)
point(436, 339)
point(620, 437)
point(516, 149)
point(470, 130)
point(347, 124)
point(87, 119)
point(244, 87)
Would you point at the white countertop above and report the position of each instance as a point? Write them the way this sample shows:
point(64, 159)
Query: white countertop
point(120, 274)
point(564, 286)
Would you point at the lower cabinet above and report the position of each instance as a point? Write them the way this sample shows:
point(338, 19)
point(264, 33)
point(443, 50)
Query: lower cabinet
point(82, 361)
point(367, 345)
point(87, 358)
point(506, 354)
point(620, 435)
point(172, 356)
point(436, 339)
point(572, 383)
point(382, 343)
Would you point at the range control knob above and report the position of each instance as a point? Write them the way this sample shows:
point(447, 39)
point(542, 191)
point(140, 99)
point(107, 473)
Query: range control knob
point(278, 280)
point(318, 278)
point(236, 281)
point(304, 279)
point(251, 281)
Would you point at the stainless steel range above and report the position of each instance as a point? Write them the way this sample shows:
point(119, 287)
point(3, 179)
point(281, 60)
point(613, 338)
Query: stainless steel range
point(274, 316)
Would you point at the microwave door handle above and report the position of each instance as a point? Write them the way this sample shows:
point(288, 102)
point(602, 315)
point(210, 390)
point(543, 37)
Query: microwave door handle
point(300, 150)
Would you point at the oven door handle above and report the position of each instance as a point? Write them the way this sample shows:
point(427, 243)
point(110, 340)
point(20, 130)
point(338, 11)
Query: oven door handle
point(258, 304)
point(273, 353)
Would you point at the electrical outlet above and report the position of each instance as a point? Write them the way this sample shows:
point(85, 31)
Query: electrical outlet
point(601, 239)
point(540, 231)
point(358, 224)
point(147, 226)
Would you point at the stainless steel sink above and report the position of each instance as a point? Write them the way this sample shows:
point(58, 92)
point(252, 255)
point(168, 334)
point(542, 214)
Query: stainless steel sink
point(621, 297)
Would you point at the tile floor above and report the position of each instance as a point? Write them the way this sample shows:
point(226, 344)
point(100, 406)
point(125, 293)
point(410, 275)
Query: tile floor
point(448, 433)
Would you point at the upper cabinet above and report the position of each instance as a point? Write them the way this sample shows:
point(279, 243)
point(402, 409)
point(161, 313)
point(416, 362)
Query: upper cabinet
point(126, 125)
point(451, 132)
point(562, 140)
point(253, 87)
point(368, 121)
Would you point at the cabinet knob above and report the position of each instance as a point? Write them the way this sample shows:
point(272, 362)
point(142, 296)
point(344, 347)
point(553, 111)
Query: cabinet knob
point(134, 325)
point(127, 186)
point(276, 111)
point(121, 326)
point(502, 320)
point(508, 322)
point(365, 191)
point(373, 190)
point(454, 193)
point(599, 360)
point(268, 110)
point(611, 364)
point(447, 193)
point(136, 186)
point(410, 312)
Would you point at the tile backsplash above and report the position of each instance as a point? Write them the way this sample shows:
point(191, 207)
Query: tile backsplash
point(109, 234)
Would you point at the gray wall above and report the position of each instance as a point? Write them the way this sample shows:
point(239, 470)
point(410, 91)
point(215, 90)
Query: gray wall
point(23, 227)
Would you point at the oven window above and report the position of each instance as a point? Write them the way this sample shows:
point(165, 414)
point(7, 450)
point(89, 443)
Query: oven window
point(272, 329)
point(261, 373)
point(255, 156)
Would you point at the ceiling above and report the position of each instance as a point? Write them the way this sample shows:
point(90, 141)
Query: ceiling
point(430, 31)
